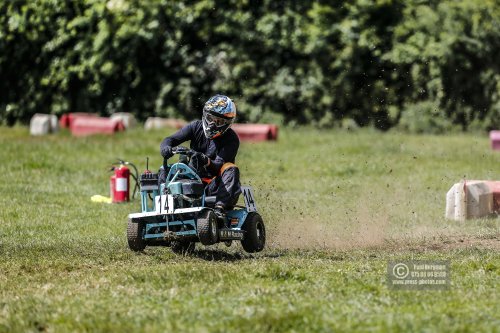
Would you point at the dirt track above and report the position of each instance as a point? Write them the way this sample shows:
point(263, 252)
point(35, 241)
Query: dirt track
point(303, 235)
point(456, 242)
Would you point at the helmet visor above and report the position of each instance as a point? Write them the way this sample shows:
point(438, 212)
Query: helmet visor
point(217, 121)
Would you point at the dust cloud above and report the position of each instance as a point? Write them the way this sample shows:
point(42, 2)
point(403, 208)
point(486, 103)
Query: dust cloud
point(367, 226)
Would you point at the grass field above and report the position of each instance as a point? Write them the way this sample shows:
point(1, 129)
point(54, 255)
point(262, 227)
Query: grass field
point(337, 205)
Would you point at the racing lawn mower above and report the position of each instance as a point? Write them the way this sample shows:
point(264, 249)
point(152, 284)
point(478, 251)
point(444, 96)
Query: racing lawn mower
point(176, 212)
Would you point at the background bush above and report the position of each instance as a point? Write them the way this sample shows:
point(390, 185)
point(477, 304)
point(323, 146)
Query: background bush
point(295, 62)
point(424, 117)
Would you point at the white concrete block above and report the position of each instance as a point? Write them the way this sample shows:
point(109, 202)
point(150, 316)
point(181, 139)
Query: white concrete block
point(128, 119)
point(54, 123)
point(472, 199)
point(479, 200)
point(450, 203)
point(157, 122)
point(40, 124)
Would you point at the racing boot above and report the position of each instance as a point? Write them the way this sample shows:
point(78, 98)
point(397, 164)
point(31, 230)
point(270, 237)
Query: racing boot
point(220, 212)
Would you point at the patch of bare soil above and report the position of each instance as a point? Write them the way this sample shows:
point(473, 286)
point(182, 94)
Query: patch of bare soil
point(443, 243)
point(303, 234)
point(364, 226)
point(367, 226)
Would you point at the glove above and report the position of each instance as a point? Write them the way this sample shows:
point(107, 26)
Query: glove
point(200, 159)
point(166, 152)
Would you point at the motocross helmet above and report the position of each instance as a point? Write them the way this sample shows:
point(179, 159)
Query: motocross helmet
point(219, 113)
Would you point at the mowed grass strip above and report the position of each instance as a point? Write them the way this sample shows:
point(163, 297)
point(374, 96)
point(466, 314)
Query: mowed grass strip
point(338, 206)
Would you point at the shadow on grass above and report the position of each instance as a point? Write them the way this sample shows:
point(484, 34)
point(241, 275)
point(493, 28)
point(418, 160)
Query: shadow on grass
point(221, 255)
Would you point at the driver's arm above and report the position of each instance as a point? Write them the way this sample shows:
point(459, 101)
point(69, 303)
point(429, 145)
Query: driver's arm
point(226, 154)
point(182, 135)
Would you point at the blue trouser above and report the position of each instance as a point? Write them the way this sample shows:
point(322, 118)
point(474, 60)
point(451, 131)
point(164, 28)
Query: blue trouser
point(225, 187)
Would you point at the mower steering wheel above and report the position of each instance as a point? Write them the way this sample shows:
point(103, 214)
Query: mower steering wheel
point(181, 150)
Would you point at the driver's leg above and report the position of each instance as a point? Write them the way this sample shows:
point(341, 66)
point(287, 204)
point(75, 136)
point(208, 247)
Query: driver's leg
point(226, 188)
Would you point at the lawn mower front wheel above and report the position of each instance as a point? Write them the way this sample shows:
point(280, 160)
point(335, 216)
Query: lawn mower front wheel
point(135, 232)
point(206, 228)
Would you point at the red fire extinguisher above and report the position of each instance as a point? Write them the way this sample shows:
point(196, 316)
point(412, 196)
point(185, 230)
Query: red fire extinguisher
point(119, 184)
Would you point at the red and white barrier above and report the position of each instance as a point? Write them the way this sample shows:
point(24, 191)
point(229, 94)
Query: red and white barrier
point(68, 118)
point(256, 132)
point(82, 126)
point(495, 140)
point(471, 199)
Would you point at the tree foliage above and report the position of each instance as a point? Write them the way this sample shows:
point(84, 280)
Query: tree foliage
point(293, 61)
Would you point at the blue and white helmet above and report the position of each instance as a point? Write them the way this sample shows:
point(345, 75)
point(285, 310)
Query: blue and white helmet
point(219, 113)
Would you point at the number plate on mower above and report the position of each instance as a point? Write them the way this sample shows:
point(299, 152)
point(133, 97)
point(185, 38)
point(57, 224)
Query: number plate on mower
point(164, 204)
point(229, 234)
point(249, 198)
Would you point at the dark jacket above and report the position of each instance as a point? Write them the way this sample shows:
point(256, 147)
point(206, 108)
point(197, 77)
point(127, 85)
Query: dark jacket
point(220, 150)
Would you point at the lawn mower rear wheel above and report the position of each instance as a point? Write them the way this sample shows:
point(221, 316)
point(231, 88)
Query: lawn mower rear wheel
point(255, 233)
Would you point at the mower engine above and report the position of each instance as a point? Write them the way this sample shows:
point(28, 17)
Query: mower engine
point(149, 190)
